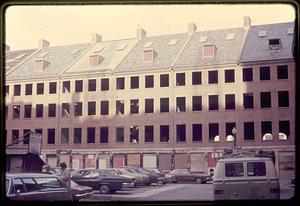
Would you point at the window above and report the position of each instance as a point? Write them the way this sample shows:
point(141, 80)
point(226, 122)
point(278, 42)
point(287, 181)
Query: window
point(196, 78)
point(30, 185)
point(283, 98)
point(180, 104)
point(77, 135)
point(213, 77)
point(51, 136)
point(52, 87)
point(134, 134)
point(265, 100)
point(264, 73)
point(6, 112)
point(148, 55)
point(48, 182)
point(164, 133)
point(39, 110)
point(149, 133)
point(149, 81)
point(197, 132)
point(92, 85)
point(66, 86)
point(16, 111)
point(6, 90)
point(234, 170)
point(91, 108)
point(91, 135)
point(51, 110)
point(120, 107)
point(149, 105)
point(17, 90)
point(229, 75)
point(229, 126)
point(39, 131)
point(65, 110)
point(103, 134)
point(39, 88)
point(208, 50)
point(27, 111)
point(180, 79)
point(78, 85)
point(15, 136)
point(26, 136)
point(248, 130)
point(180, 133)
point(105, 84)
point(134, 82)
point(65, 135)
point(266, 128)
point(213, 131)
point(284, 128)
point(229, 101)
point(134, 106)
point(78, 109)
point(164, 80)
point(213, 102)
point(256, 169)
point(248, 100)
point(197, 103)
point(119, 134)
point(120, 83)
point(247, 74)
point(104, 107)
point(28, 89)
point(164, 104)
point(282, 72)
point(18, 185)
point(274, 44)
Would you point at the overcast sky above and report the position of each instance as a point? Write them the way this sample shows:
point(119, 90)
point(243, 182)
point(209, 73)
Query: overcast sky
point(62, 25)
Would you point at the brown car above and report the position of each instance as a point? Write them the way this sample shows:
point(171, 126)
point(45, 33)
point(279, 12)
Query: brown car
point(184, 175)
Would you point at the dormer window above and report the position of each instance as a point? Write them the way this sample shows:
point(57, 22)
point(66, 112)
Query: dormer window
point(274, 44)
point(148, 55)
point(40, 64)
point(95, 60)
point(290, 31)
point(208, 50)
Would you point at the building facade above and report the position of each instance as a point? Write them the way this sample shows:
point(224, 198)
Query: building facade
point(164, 102)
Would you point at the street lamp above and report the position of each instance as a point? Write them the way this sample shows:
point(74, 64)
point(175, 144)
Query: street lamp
point(234, 136)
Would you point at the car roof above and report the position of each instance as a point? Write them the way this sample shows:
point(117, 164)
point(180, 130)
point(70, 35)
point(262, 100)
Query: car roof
point(31, 174)
point(234, 159)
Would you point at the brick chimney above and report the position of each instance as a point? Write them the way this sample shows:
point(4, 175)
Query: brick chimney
point(247, 22)
point(7, 48)
point(140, 33)
point(42, 44)
point(192, 28)
point(96, 38)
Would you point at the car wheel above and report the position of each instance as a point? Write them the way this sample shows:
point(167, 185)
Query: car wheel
point(104, 189)
point(198, 181)
point(159, 182)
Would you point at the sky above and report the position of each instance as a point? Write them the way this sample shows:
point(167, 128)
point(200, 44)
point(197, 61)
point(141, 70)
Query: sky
point(64, 25)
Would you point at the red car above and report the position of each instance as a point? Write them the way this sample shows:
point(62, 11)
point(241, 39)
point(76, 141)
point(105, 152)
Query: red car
point(184, 175)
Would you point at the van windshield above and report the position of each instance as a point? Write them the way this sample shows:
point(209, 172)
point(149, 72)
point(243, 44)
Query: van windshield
point(234, 169)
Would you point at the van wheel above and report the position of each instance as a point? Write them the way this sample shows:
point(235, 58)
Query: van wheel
point(104, 189)
point(198, 181)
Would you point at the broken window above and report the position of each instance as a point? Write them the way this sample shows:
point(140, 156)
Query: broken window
point(134, 134)
point(65, 109)
point(120, 134)
point(16, 111)
point(65, 135)
point(180, 104)
point(77, 109)
point(134, 106)
point(66, 86)
point(120, 107)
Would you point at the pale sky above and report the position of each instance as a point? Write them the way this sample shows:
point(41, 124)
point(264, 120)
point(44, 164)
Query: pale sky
point(63, 25)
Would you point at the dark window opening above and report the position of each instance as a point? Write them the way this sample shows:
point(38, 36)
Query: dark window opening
point(15, 136)
point(51, 110)
point(103, 134)
point(78, 109)
point(66, 86)
point(283, 99)
point(282, 72)
point(196, 78)
point(265, 73)
point(164, 104)
point(197, 103)
point(16, 111)
point(134, 134)
point(149, 133)
point(119, 134)
point(120, 107)
point(180, 79)
point(247, 74)
point(52, 87)
point(266, 127)
point(265, 99)
point(120, 83)
point(27, 111)
point(213, 102)
point(17, 90)
point(39, 110)
point(284, 127)
point(180, 104)
point(92, 85)
point(65, 135)
point(91, 108)
point(149, 81)
point(6, 90)
point(51, 136)
point(149, 105)
point(197, 132)
point(134, 106)
point(39, 88)
point(164, 133)
point(274, 44)
point(77, 135)
point(65, 109)
point(213, 77)
point(104, 84)
point(213, 131)
point(28, 89)
point(249, 131)
point(248, 100)
point(26, 136)
point(229, 101)
point(91, 135)
point(180, 133)
point(229, 76)
point(104, 107)
point(229, 126)
point(164, 80)
point(134, 82)
point(78, 86)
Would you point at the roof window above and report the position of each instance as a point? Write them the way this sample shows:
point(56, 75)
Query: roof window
point(122, 47)
point(230, 36)
point(262, 33)
point(172, 42)
point(203, 39)
point(95, 59)
point(208, 50)
point(20, 56)
point(148, 44)
point(274, 44)
point(290, 31)
point(43, 54)
point(75, 51)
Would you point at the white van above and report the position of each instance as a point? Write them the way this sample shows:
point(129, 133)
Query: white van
point(245, 178)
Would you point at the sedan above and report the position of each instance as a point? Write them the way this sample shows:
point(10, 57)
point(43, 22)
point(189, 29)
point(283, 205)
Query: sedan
point(129, 180)
point(162, 179)
point(99, 180)
point(184, 175)
point(152, 176)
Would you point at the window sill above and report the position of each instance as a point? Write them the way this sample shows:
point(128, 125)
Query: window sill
point(287, 107)
point(266, 108)
point(149, 142)
point(197, 142)
point(180, 142)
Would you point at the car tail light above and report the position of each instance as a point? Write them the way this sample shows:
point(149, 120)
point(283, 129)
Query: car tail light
point(274, 190)
point(218, 192)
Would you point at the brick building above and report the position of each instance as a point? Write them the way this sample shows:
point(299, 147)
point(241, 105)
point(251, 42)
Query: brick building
point(165, 102)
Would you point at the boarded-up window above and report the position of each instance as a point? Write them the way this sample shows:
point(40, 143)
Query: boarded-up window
point(133, 160)
point(211, 162)
point(77, 162)
point(104, 161)
point(90, 161)
point(181, 161)
point(149, 161)
point(164, 162)
point(148, 55)
point(118, 160)
point(198, 162)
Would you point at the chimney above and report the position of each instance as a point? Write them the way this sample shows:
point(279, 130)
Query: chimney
point(140, 33)
point(192, 28)
point(7, 48)
point(42, 44)
point(96, 38)
point(247, 22)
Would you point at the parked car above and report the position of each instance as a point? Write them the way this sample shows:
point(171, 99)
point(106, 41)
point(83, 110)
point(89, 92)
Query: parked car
point(42, 187)
point(184, 175)
point(141, 179)
point(162, 179)
point(152, 176)
point(99, 180)
point(129, 180)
